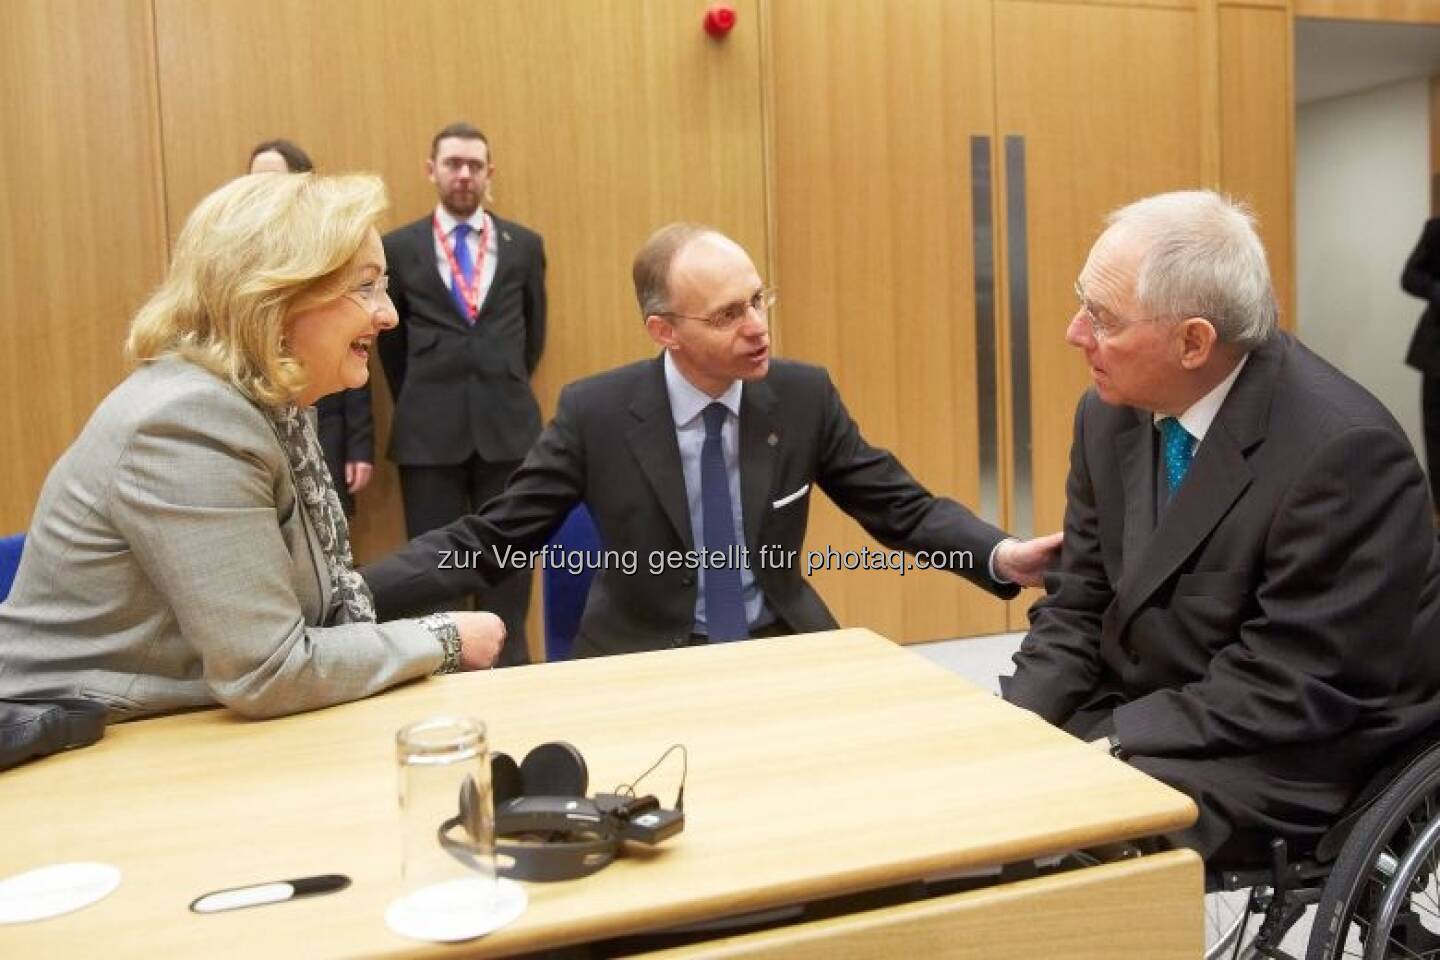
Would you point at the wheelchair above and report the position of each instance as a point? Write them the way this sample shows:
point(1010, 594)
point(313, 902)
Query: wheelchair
point(1373, 879)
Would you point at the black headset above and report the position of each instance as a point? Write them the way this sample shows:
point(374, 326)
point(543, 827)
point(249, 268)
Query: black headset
point(545, 827)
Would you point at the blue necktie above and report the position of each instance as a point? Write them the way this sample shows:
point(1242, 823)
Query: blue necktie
point(724, 607)
point(467, 270)
point(1179, 448)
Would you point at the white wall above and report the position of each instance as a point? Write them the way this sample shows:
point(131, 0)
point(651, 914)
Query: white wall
point(1361, 197)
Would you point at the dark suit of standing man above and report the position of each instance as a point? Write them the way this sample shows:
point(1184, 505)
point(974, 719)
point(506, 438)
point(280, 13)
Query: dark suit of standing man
point(460, 360)
point(1248, 608)
point(710, 446)
point(1422, 278)
point(347, 438)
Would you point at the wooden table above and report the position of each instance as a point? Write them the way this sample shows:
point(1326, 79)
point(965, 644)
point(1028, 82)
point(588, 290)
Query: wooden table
point(819, 765)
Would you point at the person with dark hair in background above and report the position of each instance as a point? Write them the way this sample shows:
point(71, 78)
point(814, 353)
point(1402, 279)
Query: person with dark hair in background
point(709, 447)
point(1421, 277)
point(279, 156)
point(342, 420)
point(470, 291)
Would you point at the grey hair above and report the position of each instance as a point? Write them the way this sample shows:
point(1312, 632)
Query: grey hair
point(1202, 258)
point(651, 269)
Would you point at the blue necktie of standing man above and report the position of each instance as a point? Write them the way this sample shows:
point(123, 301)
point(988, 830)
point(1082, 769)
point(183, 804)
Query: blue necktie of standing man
point(466, 263)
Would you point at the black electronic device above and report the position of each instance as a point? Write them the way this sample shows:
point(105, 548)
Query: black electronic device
point(545, 827)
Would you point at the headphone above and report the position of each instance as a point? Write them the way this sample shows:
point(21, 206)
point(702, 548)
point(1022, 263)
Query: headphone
point(545, 827)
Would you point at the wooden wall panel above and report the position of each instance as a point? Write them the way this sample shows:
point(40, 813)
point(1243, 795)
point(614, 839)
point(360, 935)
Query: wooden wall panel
point(595, 143)
point(1257, 124)
point(1435, 146)
point(82, 238)
point(1162, 4)
point(1399, 11)
point(606, 119)
point(874, 107)
point(1108, 101)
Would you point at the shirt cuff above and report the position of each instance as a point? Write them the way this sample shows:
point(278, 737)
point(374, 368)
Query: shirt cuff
point(991, 564)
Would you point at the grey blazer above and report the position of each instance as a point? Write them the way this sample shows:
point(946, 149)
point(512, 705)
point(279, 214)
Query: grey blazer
point(169, 565)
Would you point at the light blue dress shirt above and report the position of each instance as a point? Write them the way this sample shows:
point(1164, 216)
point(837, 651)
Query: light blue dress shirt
point(687, 403)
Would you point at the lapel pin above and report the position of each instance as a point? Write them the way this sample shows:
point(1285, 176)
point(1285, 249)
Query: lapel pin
point(505, 235)
point(772, 439)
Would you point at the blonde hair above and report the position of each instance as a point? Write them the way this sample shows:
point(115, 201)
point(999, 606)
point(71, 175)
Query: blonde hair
point(250, 255)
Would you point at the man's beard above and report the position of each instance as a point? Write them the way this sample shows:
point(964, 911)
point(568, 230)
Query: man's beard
point(462, 204)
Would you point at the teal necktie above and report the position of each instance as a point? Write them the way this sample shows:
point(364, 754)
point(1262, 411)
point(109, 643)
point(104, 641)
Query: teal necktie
point(1179, 449)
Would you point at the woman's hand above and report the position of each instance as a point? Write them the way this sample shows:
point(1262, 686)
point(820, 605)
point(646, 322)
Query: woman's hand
point(482, 634)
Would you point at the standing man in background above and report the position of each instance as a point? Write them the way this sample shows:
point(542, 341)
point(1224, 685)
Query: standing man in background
point(342, 420)
point(469, 288)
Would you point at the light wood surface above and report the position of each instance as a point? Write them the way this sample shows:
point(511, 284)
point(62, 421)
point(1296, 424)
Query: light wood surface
point(1108, 101)
point(876, 104)
point(1398, 11)
point(1257, 132)
point(1161, 4)
point(82, 238)
point(818, 765)
point(1146, 909)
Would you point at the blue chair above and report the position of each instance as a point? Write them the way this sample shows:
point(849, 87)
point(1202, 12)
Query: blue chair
point(10, 548)
point(564, 591)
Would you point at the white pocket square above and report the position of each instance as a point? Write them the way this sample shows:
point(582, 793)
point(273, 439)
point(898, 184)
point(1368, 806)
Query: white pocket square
point(790, 498)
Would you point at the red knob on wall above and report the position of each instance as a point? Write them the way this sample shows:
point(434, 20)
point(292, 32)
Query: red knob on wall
point(719, 19)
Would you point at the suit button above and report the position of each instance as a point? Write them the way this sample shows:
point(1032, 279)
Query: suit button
point(1130, 654)
point(688, 580)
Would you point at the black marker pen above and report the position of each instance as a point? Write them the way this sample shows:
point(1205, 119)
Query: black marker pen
point(263, 893)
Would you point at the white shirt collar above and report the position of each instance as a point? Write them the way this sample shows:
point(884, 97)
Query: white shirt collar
point(688, 401)
point(448, 221)
point(1198, 417)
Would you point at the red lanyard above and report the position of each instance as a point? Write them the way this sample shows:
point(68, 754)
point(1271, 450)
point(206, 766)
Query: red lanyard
point(469, 292)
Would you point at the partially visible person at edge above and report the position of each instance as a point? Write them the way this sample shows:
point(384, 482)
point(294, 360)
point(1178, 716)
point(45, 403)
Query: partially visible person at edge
point(1421, 278)
point(189, 549)
point(343, 421)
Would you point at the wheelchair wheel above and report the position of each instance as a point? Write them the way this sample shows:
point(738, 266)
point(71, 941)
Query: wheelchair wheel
point(1235, 917)
point(1382, 899)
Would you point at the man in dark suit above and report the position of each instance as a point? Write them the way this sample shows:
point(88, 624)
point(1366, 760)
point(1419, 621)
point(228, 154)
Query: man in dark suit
point(1421, 277)
point(347, 438)
point(1246, 601)
point(698, 467)
point(469, 288)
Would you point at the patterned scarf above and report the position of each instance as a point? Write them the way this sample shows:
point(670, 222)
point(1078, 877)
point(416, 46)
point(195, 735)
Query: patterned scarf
point(322, 505)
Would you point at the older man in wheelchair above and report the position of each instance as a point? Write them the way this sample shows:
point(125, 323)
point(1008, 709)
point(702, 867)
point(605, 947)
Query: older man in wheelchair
point(1247, 605)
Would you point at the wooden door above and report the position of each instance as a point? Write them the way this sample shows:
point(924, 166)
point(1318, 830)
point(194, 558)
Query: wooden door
point(82, 239)
point(1096, 105)
point(882, 111)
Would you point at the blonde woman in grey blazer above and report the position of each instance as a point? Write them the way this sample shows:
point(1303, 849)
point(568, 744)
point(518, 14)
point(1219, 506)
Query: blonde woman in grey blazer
point(189, 548)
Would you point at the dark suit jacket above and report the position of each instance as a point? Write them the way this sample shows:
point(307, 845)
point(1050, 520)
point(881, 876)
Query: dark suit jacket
point(1284, 611)
point(1422, 278)
point(347, 434)
point(460, 389)
point(612, 445)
